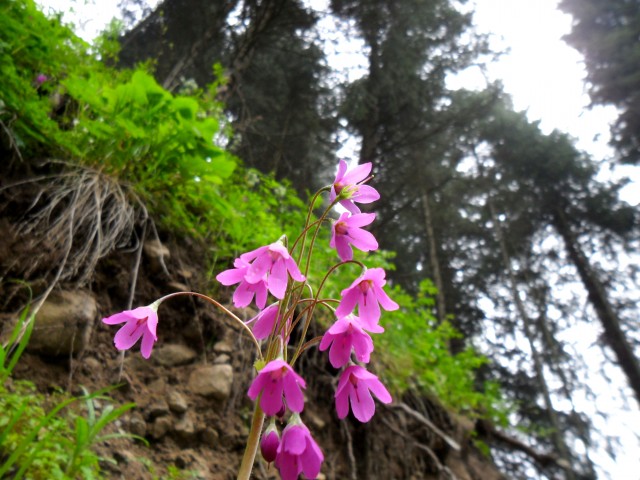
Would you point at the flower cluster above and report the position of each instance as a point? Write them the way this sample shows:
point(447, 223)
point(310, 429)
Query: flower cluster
point(273, 269)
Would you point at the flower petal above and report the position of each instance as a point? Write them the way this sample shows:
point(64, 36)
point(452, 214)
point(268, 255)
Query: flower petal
point(293, 393)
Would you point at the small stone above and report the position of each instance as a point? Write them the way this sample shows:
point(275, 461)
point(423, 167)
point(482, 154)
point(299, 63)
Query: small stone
point(124, 457)
point(157, 386)
point(177, 402)
point(222, 347)
point(184, 428)
point(222, 359)
point(174, 354)
point(160, 427)
point(210, 436)
point(178, 286)
point(137, 425)
point(91, 364)
point(212, 381)
point(158, 408)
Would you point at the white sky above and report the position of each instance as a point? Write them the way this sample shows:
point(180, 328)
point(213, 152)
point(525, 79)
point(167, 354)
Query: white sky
point(545, 77)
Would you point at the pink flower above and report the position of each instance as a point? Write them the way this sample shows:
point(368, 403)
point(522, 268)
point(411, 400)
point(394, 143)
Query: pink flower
point(298, 453)
point(345, 335)
point(269, 443)
point(140, 322)
point(246, 290)
point(40, 79)
point(274, 380)
point(265, 321)
point(356, 385)
point(366, 291)
point(348, 186)
point(346, 230)
point(273, 261)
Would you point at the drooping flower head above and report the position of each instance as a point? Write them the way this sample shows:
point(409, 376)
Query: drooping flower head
point(348, 186)
point(264, 321)
point(355, 386)
point(366, 292)
point(346, 231)
point(270, 442)
point(275, 380)
point(298, 452)
point(272, 262)
point(246, 290)
point(138, 323)
point(345, 335)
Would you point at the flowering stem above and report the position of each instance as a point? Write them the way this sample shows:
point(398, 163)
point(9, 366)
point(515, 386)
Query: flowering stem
point(221, 307)
point(252, 444)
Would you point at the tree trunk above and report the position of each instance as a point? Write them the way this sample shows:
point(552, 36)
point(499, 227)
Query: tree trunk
point(613, 334)
point(538, 364)
point(434, 265)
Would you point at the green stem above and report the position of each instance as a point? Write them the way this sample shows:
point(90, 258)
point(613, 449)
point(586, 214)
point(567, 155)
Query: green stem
point(252, 444)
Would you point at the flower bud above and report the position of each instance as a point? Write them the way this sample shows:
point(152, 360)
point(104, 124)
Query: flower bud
point(269, 443)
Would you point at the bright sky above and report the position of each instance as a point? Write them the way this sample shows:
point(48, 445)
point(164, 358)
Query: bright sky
point(545, 77)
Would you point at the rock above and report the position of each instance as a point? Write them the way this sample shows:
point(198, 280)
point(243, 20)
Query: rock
point(137, 425)
point(212, 381)
point(177, 403)
point(222, 346)
point(158, 408)
point(124, 457)
point(91, 365)
point(64, 323)
point(157, 254)
point(210, 437)
point(184, 428)
point(158, 386)
point(160, 427)
point(172, 355)
point(222, 359)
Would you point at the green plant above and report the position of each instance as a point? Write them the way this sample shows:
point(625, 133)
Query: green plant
point(415, 353)
point(11, 352)
point(88, 433)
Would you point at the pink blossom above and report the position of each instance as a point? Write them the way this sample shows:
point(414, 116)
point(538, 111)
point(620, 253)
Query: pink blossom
point(345, 335)
point(140, 322)
point(346, 230)
point(355, 386)
point(273, 261)
point(348, 187)
point(274, 380)
point(366, 292)
point(40, 79)
point(269, 443)
point(246, 290)
point(298, 453)
point(265, 321)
